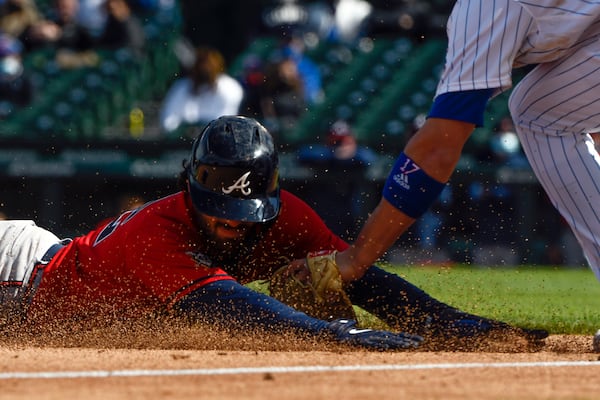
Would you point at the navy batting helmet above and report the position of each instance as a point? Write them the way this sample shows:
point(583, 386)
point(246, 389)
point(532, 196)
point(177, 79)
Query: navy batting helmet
point(233, 171)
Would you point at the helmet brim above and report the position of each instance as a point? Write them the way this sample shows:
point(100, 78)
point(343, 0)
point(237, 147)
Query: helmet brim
point(256, 209)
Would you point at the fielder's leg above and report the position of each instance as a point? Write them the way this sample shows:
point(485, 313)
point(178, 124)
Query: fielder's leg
point(553, 108)
point(568, 168)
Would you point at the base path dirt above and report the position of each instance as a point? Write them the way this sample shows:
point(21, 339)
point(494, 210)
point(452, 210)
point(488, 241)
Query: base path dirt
point(221, 368)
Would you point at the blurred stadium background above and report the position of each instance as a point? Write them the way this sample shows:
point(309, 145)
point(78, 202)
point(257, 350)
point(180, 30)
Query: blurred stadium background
point(91, 139)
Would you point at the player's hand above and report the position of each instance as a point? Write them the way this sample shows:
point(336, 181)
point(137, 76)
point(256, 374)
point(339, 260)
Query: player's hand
point(349, 265)
point(313, 286)
point(298, 269)
point(345, 331)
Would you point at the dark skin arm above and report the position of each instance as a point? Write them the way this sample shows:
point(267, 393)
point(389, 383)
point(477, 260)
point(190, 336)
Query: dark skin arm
point(436, 148)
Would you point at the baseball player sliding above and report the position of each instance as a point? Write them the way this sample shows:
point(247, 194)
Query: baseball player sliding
point(555, 109)
point(191, 252)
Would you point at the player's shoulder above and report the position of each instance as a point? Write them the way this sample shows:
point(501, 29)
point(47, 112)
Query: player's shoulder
point(171, 207)
point(294, 208)
point(155, 220)
point(288, 198)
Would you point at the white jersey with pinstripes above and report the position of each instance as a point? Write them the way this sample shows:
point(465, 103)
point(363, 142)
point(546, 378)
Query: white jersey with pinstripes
point(554, 106)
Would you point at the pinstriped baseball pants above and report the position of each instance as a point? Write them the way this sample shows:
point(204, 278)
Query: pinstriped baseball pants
point(22, 246)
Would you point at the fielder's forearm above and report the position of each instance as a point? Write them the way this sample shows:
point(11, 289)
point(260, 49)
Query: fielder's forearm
point(438, 145)
point(435, 149)
point(385, 225)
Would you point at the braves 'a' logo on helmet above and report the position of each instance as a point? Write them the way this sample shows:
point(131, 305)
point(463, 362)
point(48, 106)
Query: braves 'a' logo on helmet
point(242, 184)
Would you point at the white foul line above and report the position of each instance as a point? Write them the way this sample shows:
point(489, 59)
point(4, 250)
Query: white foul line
point(284, 370)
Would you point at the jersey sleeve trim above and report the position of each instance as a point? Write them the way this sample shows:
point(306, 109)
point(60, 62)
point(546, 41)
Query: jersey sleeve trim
point(466, 106)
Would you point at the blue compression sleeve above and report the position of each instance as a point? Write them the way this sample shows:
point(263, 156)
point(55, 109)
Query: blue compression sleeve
point(468, 106)
point(409, 188)
point(228, 302)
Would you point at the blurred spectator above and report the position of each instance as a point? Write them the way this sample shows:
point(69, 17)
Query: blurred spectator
point(350, 17)
point(122, 28)
point(320, 20)
point(340, 149)
point(279, 89)
point(205, 94)
point(92, 15)
point(15, 84)
point(252, 79)
point(17, 15)
point(308, 71)
point(342, 163)
point(282, 100)
point(62, 31)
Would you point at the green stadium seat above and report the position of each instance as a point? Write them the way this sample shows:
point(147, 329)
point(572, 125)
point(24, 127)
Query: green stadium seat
point(403, 95)
point(381, 72)
point(342, 89)
point(395, 127)
point(45, 124)
point(99, 102)
point(7, 108)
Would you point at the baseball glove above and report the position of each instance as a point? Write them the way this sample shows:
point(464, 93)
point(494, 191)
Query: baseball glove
point(317, 292)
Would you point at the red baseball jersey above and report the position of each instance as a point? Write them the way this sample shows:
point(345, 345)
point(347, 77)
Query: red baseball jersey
point(150, 257)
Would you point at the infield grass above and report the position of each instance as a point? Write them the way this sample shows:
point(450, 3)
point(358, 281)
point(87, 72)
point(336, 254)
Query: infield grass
point(561, 300)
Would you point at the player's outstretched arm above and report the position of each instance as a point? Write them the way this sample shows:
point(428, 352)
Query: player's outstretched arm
point(230, 303)
point(413, 185)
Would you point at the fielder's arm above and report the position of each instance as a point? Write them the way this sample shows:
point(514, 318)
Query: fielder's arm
point(435, 149)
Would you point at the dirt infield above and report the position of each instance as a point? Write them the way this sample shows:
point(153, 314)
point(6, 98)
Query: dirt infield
point(196, 365)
